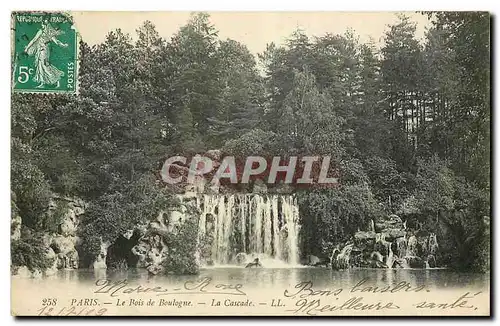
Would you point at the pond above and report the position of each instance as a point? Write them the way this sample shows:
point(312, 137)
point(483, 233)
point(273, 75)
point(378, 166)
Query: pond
point(255, 287)
point(280, 277)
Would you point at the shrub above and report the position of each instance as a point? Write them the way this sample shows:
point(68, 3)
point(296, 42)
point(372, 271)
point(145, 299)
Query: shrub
point(30, 252)
point(183, 249)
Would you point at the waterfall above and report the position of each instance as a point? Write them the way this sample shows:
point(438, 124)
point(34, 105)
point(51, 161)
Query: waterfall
point(341, 261)
point(264, 226)
point(433, 244)
point(291, 214)
point(388, 246)
point(276, 229)
point(390, 257)
point(388, 243)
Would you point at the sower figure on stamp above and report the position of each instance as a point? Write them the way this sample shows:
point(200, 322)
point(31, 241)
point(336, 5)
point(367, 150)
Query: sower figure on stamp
point(45, 73)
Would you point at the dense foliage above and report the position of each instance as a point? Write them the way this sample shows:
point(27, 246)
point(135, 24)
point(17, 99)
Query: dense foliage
point(184, 255)
point(406, 123)
point(30, 251)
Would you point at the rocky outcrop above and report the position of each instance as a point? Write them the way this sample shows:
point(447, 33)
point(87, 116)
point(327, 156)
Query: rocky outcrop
point(316, 261)
point(152, 247)
point(387, 244)
point(15, 228)
point(59, 245)
point(65, 251)
point(50, 254)
point(67, 211)
point(259, 187)
point(64, 241)
point(152, 252)
point(100, 260)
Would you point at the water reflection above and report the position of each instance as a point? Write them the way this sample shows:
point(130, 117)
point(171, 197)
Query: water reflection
point(286, 277)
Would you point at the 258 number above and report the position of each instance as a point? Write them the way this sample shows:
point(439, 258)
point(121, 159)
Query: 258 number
point(49, 302)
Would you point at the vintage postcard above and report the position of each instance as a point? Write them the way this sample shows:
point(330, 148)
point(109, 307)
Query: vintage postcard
point(250, 164)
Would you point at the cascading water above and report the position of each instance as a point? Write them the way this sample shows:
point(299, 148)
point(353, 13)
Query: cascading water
point(390, 257)
point(372, 226)
point(388, 250)
point(264, 226)
point(342, 259)
point(388, 243)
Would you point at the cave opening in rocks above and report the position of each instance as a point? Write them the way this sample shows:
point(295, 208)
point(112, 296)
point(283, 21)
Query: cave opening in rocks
point(55, 248)
point(119, 254)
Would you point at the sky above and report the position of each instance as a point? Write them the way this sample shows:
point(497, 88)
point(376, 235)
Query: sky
point(254, 29)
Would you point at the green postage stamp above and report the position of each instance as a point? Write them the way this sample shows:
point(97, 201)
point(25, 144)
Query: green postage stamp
point(45, 53)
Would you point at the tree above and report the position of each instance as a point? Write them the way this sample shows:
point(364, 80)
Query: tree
point(371, 128)
point(400, 76)
point(468, 38)
point(241, 99)
point(194, 83)
point(307, 124)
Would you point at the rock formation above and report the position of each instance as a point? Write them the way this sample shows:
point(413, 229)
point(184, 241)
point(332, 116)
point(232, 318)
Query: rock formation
point(59, 245)
point(151, 248)
point(100, 261)
point(387, 244)
point(15, 227)
point(63, 243)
